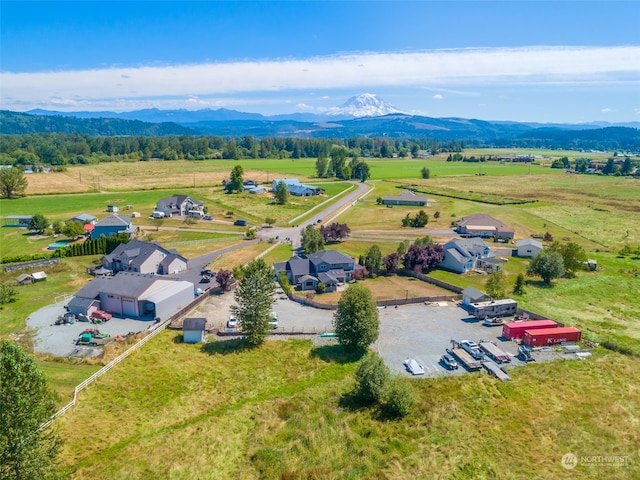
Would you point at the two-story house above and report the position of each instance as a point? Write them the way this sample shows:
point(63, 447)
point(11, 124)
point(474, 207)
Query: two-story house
point(144, 257)
point(462, 254)
point(328, 266)
point(178, 205)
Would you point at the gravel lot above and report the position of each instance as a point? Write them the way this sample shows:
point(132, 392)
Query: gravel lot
point(418, 331)
point(59, 340)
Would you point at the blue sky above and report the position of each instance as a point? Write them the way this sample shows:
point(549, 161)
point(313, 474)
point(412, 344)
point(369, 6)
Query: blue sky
point(545, 61)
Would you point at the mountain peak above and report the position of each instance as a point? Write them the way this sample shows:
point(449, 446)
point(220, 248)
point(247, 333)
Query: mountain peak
point(364, 105)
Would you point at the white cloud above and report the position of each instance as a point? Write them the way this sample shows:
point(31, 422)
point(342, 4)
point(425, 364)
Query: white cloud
point(305, 107)
point(437, 96)
point(606, 110)
point(438, 69)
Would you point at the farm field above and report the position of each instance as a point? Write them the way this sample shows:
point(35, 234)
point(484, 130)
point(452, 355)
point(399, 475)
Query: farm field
point(253, 418)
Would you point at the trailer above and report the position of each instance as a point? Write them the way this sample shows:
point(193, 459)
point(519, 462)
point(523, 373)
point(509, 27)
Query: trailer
point(495, 352)
point(494, 308)
point(496, 370)
point(551, 336)
point(464, 358)
point(90, 340)
point(513, 330)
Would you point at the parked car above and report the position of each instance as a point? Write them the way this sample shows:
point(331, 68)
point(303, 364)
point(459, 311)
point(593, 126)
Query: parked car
point(101, 315)
point(472, 348)
point(274, 320)
point(232, 322)
point(207, 217)
point(449, 362)
point(207, 272)
point(413, 366)
point(240, 223)
point(205, 280)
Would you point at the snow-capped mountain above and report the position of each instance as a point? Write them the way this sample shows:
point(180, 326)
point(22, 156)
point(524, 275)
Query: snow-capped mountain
point(363, 105)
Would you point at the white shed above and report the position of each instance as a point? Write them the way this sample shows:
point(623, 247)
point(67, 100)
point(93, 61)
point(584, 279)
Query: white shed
point(529, 247)
point(193, 330)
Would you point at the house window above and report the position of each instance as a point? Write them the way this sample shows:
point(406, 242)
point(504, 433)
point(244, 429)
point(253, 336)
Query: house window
point(309, 283)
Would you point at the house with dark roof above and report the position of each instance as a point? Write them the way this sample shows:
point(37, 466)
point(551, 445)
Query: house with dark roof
point(406, 197)
point(462, 254)
point(133, 295)
point(144, 257)
point(327, 266)
point(114, 224)
point(178, 205)
point(482, 225)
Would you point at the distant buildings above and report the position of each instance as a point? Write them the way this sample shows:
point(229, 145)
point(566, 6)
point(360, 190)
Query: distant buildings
point(296, 188)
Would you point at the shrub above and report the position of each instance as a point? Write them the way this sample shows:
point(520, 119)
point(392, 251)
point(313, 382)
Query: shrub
point(399, 398)
point(372, 377)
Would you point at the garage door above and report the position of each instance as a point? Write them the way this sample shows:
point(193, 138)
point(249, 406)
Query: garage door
point(129, 307)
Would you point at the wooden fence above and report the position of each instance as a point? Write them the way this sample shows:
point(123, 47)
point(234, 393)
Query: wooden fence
point(155, 330)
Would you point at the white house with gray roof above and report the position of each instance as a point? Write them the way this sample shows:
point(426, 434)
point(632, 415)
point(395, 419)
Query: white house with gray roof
point(327, 266)
point(529, 247)
point(462, 254)
point(178, 205)
point(133, 295)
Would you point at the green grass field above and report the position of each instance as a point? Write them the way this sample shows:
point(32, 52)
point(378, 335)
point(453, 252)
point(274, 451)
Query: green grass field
point(284, 411)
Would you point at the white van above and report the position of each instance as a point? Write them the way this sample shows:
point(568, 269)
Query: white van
point(195, 213)
point(157, 214)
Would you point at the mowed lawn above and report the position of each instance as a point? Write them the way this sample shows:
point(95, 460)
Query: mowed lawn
point(284, 411)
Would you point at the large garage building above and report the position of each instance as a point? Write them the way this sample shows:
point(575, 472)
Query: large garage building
point(133, 295)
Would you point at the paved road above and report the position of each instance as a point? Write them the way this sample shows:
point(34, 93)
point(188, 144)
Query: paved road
point(326, 215)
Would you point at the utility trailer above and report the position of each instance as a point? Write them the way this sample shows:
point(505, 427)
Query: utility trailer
point(495, 352)
point(494, 308)
point(496, 370)
point(465, 359)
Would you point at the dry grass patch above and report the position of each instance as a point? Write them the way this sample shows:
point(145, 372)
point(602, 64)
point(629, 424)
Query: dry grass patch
point(241, 256)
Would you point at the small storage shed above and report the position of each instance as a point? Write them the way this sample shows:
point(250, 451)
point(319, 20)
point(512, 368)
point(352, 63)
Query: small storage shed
point(193, 330)
point(473, 295)
point(39, 276)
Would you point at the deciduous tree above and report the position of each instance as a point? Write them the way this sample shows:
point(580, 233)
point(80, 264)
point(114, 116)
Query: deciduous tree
point(391, 262)
point(495, 285)
point(372, 377)
point(281, 193)
point(224, 278)
point(25, 403)
point(335, 232)
point(373, 259)
point(356, 320)
point(13, 183)
point(38, 223)
point(573, 256)
point(423, 259)
point(254, 299)
point(72, 229)
point(548, 265)
point(312, 240)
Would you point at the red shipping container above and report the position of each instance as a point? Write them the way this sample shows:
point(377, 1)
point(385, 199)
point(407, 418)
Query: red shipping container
point(551, 336)
point(516, 329)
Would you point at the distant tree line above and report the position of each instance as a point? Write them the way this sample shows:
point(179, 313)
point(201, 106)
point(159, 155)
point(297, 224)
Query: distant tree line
point(337, 157)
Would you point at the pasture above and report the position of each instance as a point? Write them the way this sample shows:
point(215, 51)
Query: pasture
point(284, 411)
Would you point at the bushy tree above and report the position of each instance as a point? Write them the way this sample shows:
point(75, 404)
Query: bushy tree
point(518, 288)
point(254, 299)
point(7, 293)
point(335, 232)
point(281, 193)
point(13, 182)
point(25, 403)
point(372, 377)
point(423, 259)
point(373, 259)
point(425, 173)
point(38, 223)
point(573, 256)
point(224, 278)
point(72, 229)
point(419, 220)
point(391, 262)
point(496, 285)
point(312, 240)
point(356, 319)
point(236, 181)
point(403, 247)
point(423, 241)
point(548, 265)
point(269, 220)
point(399, 398)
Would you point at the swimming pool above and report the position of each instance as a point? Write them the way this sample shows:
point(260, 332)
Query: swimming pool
point(59, 244)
